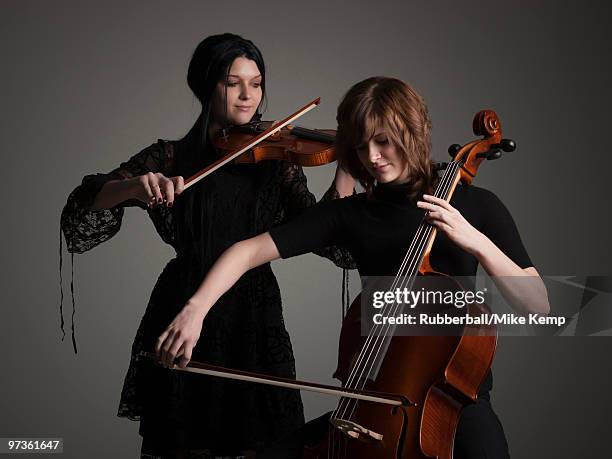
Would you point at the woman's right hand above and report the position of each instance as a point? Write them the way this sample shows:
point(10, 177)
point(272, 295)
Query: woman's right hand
point(180, 337)
point(155, 188)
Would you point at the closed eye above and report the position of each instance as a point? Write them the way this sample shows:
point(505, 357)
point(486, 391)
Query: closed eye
point(382, 141)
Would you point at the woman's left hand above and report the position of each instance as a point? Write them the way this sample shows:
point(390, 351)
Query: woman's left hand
point(450, 221)
point(180, 337)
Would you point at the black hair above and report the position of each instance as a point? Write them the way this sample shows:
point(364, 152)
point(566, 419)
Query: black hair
point(210, 63)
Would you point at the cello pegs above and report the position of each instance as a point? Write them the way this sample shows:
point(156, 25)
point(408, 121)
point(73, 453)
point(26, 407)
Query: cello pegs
point(495, 153)
point(454, 149)
point(438, 166)
point(507, 145)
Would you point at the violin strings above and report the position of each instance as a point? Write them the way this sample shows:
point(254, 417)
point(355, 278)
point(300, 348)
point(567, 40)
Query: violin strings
point(409, 276)
point(411, 258)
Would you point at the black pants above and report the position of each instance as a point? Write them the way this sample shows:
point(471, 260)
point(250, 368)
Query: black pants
point(479, 434)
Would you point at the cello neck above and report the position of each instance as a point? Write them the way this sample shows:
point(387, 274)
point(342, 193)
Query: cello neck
point(426, 233)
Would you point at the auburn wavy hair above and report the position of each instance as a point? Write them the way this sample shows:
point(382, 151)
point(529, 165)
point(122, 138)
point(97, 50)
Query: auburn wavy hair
point(391, 104)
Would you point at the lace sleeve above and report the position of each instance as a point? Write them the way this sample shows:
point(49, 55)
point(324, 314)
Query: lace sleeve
point(295, 197)
point(84, 228)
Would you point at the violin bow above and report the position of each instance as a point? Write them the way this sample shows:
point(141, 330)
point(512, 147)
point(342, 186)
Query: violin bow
point(257, 139)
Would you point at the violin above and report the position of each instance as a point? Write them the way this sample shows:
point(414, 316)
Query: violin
point(299, 145)
point(304, 146)
point(435, 376)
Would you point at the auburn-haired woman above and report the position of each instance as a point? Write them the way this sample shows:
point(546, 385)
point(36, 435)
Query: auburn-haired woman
point(383, 140)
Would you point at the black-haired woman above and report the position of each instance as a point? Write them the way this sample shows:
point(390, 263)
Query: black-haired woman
point(181, 412)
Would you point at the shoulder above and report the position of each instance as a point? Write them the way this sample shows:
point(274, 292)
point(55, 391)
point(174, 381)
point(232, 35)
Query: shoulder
point(159, 156)
point(345, 209)
point(159, 149)
point(480, 206)
point(353, 202)
point(166, 148)
point(470, 195)
point(474, 192)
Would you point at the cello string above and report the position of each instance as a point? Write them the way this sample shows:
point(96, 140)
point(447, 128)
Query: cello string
point(360, 361)
point(412, 257)
point(418, 239)
point(442, 191)
point(372, 335)
point(413, 270)
point(366, 344)
point(409, 276)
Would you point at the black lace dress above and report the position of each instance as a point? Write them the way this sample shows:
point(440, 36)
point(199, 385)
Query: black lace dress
point(244, 330)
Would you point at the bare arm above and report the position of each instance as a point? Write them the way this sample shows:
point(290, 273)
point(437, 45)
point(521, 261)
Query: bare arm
point(233, 263)
point(523, 289)
point(345, 183)
point(150, 188)
point(113, 193)
point(181, 336)
point(94, 210)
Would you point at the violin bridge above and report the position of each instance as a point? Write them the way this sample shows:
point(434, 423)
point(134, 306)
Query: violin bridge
point(355, 431)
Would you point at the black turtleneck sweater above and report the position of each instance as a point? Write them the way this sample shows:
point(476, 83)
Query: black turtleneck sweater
point(378, 230)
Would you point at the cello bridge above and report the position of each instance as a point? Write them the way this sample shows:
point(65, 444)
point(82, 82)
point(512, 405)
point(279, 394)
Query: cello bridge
point(354, 430)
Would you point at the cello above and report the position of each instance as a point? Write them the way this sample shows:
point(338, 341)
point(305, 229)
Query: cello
point(435, 376)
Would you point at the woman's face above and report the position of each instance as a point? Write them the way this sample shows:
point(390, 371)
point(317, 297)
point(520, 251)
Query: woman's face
point(244, 93)
point(382, 159)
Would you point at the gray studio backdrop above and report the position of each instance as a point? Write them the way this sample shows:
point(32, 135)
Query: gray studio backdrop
point(87, 84)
